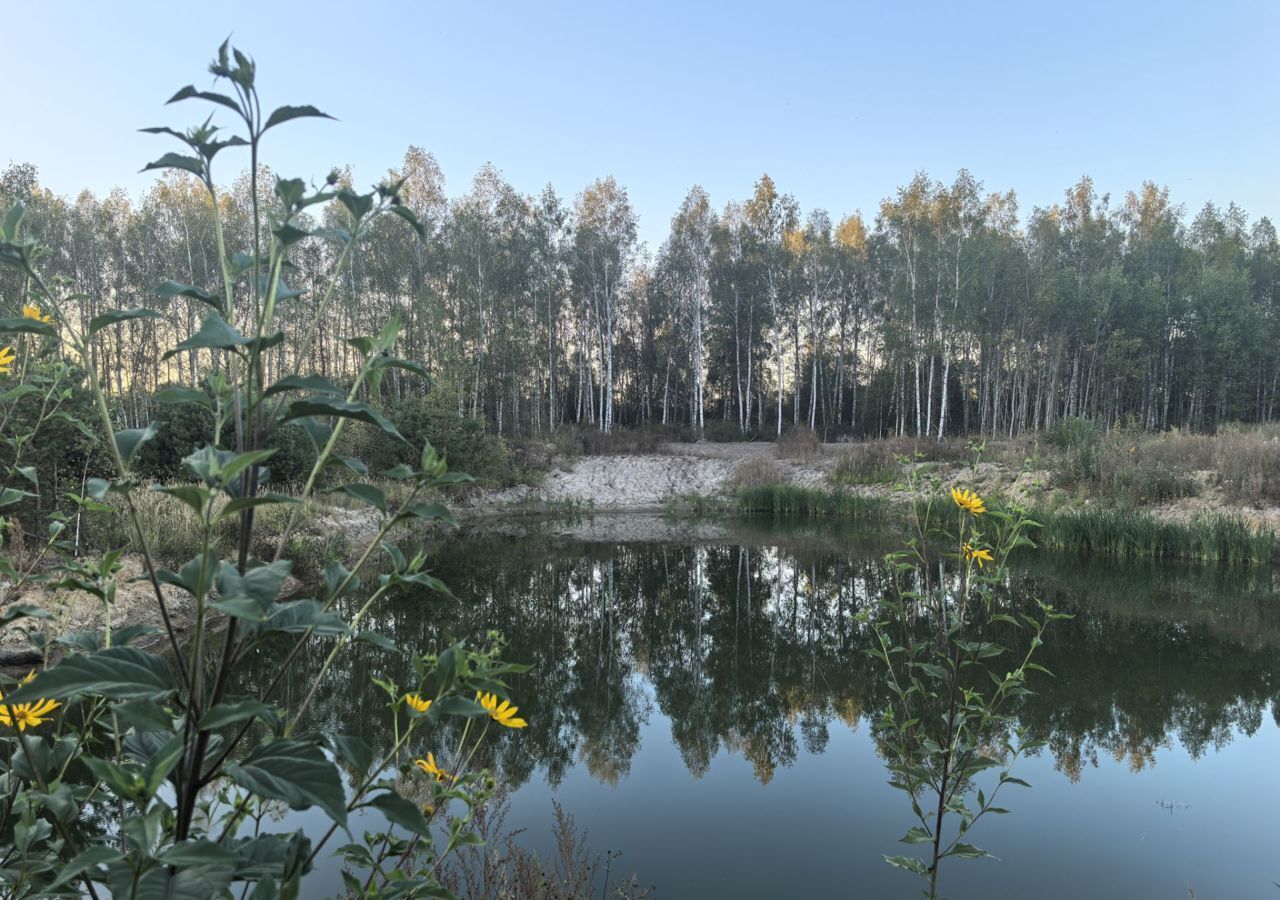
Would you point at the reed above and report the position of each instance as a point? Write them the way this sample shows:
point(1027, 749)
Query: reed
point(789, 500)
point(1129, 533)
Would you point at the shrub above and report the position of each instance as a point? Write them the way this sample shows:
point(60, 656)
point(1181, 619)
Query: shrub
point(466, 443)
point(182, 428)
point(873, 462)
point(135, 780)
point(800, 442)
point(755, 472)
point(1248, 465)
point(723, 432)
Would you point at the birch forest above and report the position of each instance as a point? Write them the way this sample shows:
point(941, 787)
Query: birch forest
point(950, 309)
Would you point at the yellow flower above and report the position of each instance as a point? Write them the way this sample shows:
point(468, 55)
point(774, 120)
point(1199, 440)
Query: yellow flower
point(416, 702)
point(978, 555)
point(7, 356)
point(968, 500)
point(33, 312)
point(504, 714)
point(21, 715)
point(429, 766)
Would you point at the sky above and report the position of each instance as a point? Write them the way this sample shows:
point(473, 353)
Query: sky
point(841, 103)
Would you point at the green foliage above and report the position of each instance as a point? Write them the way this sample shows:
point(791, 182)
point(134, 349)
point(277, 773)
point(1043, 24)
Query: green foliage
point(950, 739)
point(783, 500)
point(142, 775)
point(183, 427)
point(465, 441)
point(1127, 533)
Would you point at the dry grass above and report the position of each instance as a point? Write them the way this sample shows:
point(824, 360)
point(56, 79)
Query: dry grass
point(173, 534)
point(1248, 464)
point(801, 443)
point(503, 870)
point(757, 471)
point(1143, 468)
point(873, 462)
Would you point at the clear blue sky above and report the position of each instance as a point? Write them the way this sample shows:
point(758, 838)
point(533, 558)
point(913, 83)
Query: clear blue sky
point(839, 102)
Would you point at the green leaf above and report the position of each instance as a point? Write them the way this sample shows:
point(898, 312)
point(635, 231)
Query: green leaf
point(967, 851)
point(196, 853)
point(242, 503)
point(908, 863)
point(87, 860)
point(367, 494)
point(354, 751)
point(233, 711)
point(409, 216)
point(118, 673)
point(358, 205)
point(189, 92)
point(197, 882)
point(15, 611)
point(287, 235)
point(296, 772)
point(298, 616)
point(286, 113)
point(176, 394)
point(214, 334)
point(12, 219)
point(316, 384)
point(10, 496)
point(348, 409)
point(429, 512)
point(129, 440)
point(458, 706)
point(381, 641)
point(107, 319)
point(27, 326)
point(170, 289)
point(193, 495)
point(252, 595)
point(144, 716)
point(400, 811)
point(190, 164)
point(395, 362)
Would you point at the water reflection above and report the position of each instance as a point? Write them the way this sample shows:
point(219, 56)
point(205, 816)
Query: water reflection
point(757, 650)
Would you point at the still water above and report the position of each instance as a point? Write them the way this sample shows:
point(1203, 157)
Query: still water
point(703, 703)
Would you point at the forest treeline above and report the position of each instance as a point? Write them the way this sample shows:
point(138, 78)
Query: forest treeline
point(949, 312)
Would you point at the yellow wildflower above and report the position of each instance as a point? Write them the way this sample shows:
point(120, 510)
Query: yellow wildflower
point(416, 702)
point(7, 356)
point(968, 500)
point(22, 715)
point(33, 312)
point(504, 714)
point(977, 554)
point(429, 766)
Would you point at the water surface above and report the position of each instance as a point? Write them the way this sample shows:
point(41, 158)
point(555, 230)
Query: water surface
point(705, 706)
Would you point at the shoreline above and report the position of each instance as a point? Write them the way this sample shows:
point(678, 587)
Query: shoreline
point(684, 491)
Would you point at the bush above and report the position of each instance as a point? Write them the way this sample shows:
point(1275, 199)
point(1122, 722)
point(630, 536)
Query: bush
point(722, 432)
point(874, 462)
point(755, 472)
point(1248, 465)
point(801, 442)
point(466, 443)
point(181, 428)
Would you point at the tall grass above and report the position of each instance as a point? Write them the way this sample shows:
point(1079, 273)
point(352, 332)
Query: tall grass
point(787, 500)
point(1129, 533)
point(1122, 533)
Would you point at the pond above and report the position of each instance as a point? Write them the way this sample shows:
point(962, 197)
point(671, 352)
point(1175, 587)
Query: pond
point(702, 702)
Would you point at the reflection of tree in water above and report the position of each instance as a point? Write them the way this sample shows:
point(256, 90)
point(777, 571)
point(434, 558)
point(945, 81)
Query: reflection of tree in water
point(756, 650)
